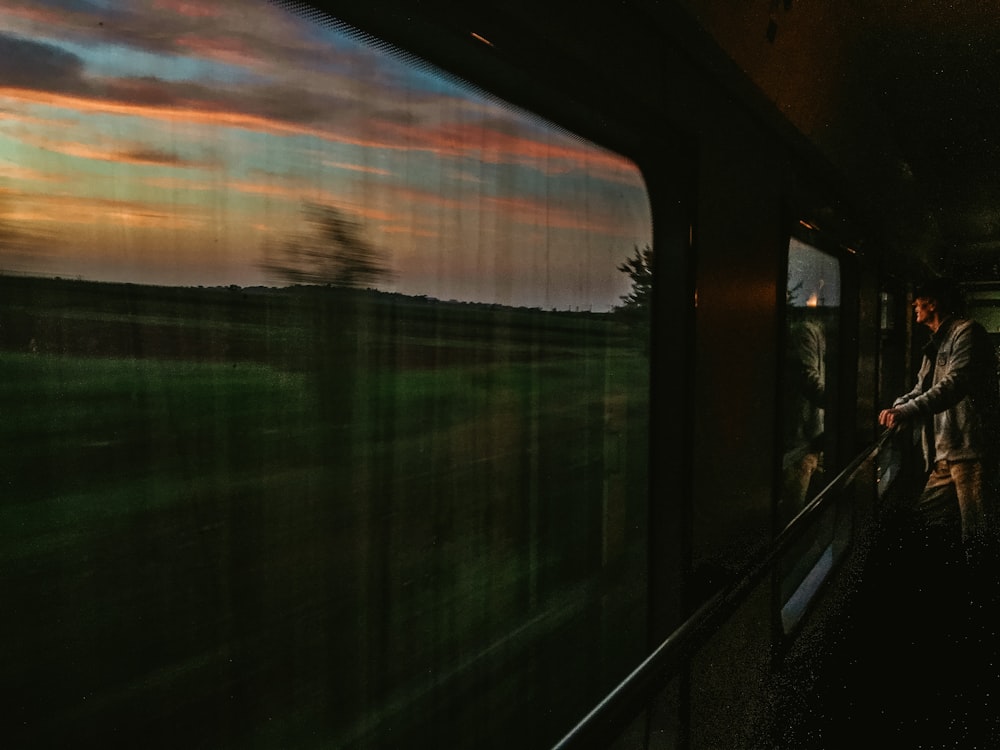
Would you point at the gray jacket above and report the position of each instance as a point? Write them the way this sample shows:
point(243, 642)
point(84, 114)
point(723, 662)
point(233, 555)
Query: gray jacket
point(957, 390)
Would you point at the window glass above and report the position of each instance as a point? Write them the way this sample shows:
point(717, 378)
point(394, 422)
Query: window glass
point(808, 429)
point(325, 387)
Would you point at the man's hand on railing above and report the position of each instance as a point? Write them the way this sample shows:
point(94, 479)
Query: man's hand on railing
point(891, 418)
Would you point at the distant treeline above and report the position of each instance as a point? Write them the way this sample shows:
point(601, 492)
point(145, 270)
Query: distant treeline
point(280, 326)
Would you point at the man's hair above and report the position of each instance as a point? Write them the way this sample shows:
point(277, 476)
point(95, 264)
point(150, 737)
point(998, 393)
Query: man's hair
point(943, 292)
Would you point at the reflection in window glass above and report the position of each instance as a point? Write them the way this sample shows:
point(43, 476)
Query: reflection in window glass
point(812, 330)
point(325, 388)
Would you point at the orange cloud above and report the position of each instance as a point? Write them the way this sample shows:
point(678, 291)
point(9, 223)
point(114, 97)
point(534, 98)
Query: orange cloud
point(27, 174)
point(469, 141)
point(170, 114)
point(138, 154)
point(533, 212)
point(289, 192)
point(472, 140)
point(67, 209)
point(26, 119)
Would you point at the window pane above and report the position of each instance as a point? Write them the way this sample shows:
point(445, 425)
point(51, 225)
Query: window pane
point(809, 386)
point(325, 383)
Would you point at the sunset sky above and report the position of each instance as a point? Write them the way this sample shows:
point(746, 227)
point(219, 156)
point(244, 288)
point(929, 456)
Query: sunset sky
point(174, 142)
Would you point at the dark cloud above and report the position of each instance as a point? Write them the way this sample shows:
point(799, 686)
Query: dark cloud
point(174, 27)
point(155, 157)
point(40, 65)
point(36, 65)
point(279, 103)
point(398, 116)
point(86, 22)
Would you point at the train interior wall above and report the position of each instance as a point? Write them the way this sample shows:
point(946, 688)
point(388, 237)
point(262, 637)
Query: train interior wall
point(754, 185)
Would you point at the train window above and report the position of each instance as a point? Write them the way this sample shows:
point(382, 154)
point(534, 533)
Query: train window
point(983, 305)
point(808, 434)
point(324, 390)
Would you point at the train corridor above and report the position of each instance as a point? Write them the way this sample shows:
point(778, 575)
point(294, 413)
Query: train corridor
point(906, 657)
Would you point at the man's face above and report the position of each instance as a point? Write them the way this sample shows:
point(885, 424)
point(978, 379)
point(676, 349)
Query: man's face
point(924, 308)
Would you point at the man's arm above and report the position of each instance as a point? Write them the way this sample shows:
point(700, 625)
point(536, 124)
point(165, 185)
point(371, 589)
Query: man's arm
point(896, 415)
point(953, 386)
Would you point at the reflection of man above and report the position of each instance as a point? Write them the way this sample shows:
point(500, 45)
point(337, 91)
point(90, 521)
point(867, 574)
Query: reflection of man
point(806, 389)
point(955, 401)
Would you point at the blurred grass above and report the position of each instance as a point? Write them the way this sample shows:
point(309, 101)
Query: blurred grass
point(179, 531)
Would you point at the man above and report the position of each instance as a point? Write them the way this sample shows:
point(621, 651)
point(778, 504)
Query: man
point(955, 400)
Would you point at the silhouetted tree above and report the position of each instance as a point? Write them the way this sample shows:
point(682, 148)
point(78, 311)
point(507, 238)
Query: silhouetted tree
point(792, 294)
point(639, 268)
point(636, 307)
point(333, 253)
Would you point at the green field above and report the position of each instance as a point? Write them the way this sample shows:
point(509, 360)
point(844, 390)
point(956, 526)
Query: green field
point(314, 518)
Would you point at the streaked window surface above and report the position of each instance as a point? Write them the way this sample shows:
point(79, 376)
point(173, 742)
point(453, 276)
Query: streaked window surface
point(324, 387)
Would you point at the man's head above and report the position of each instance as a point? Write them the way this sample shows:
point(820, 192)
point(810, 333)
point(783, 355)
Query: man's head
point(935, 300)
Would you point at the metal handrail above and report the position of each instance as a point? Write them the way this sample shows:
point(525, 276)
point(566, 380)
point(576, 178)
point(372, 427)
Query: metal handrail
point(609, 717)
